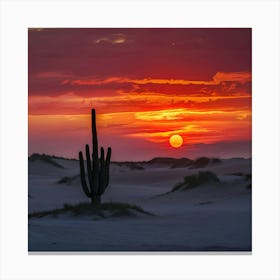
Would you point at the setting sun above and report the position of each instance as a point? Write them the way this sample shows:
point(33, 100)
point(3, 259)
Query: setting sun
point(176, 141)
point(157, 86)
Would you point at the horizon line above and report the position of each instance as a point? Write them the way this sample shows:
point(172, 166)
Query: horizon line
point(137, 161)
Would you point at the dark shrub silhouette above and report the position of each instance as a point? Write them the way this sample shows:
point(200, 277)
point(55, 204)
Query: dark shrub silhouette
point(104, 210)
point(45, 158)
point(204, 161)
point(201, 162)
point(97, 169)
point(161, 161)
point(67, 180)
point(216, 160)
point(181, 162)
point(194, 180)
point(172, 162)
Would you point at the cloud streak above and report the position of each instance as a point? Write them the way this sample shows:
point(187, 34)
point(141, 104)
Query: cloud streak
point(114, 39)
point(218, 78)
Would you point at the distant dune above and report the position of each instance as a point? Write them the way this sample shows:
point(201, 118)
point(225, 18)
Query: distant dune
point(140, 165)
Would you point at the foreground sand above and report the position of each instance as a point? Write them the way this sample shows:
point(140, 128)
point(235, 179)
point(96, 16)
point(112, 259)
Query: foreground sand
point(212, 217)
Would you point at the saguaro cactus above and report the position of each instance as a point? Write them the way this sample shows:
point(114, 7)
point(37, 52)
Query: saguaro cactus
point(97, 169)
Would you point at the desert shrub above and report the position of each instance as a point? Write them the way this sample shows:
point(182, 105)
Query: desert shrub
point(237, 174)
point(64, 180)
point(178, 186)
point(246, 176)
point(45, 158)
point(181, 162)
point(194, 180)
point(201, 162)
point(161, 160)
point(67, 180)
point(216, 160)
point(114, 209)
point(207, 176)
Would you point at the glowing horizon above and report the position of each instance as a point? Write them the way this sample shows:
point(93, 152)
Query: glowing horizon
point(203, 93)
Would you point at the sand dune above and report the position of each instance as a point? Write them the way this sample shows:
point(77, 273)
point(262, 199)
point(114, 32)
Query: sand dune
point(213, 216)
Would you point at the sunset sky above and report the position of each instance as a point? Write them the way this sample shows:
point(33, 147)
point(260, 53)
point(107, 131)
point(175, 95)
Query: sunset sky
point(146, 85)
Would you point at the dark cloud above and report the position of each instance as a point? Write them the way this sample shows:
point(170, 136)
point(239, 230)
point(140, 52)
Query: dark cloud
point(158, 53)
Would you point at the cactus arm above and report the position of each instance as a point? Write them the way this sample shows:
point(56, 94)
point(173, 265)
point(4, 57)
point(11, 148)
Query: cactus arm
point(89, 170)
point(83, 175)
point(107, 166)
point(96, 171)
point(102, 155)
point(108, 157)
point(102, 172)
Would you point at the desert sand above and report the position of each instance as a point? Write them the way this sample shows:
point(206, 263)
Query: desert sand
point(210, 217)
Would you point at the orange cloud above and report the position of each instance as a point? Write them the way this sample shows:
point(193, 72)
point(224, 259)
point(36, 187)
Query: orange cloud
point(158, 126)
point(113, 39)
point(219, 77)
point(240, 77)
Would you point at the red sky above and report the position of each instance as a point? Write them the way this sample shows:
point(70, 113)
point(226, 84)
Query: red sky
point(146, 85)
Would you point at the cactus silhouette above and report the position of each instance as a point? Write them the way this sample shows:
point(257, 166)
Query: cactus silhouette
point(97, 168)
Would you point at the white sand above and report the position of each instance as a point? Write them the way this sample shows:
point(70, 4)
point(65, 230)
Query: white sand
point(209, 217)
